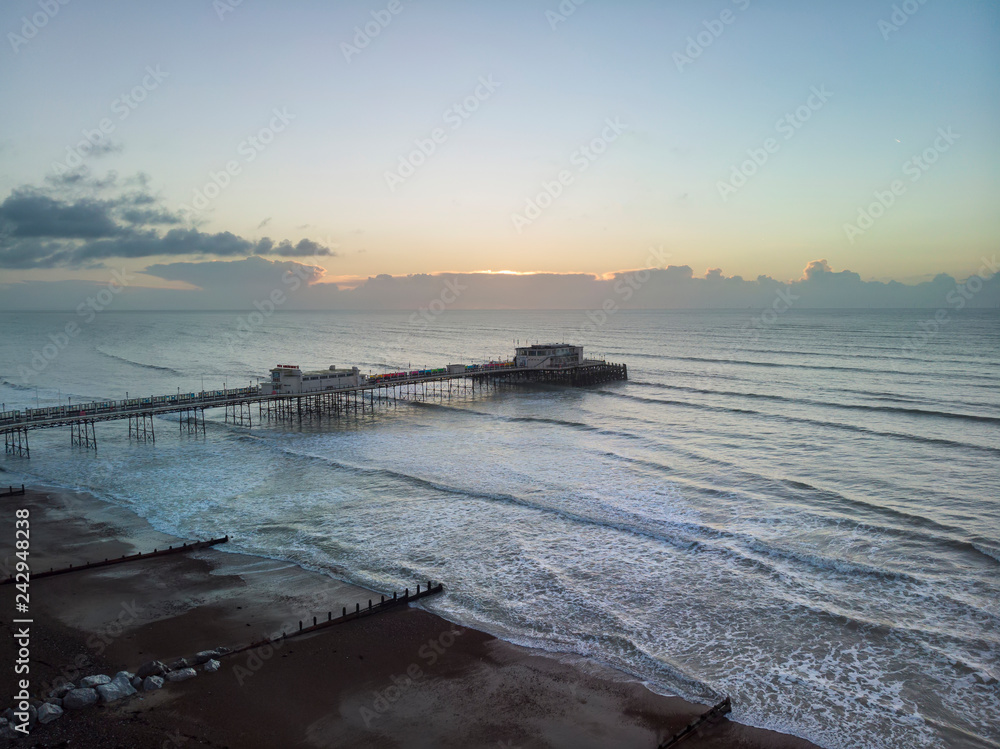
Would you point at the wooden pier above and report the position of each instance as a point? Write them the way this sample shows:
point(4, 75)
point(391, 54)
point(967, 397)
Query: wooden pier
point(237, 403)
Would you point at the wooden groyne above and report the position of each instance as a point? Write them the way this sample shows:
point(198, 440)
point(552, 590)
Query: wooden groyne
point(719, 710)
point(385, 604)
point(126, 558)
point(11, 491)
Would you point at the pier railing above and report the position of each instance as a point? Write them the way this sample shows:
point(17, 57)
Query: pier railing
point(400, 386)
point(116, 409)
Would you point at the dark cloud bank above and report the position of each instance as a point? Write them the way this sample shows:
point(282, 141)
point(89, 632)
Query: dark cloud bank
point(234, 285)
point(78, 221)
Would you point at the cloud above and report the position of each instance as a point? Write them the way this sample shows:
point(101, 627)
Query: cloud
point(673, 287)
point(83, 179)
point(251, 272)
point(104, 147)
point(305, 248)
point(815, 268)
point(215, 285)
point(75, 222)
point(175, 242)
point(150, 216)
point(237, 284)
point(25, 214)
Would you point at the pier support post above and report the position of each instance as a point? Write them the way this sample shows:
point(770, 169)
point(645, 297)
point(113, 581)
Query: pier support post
point(82, 434)
point(190, 417)
point(140, 427)
point(16, 442)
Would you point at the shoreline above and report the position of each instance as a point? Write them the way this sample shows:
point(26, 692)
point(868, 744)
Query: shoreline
point(367, 682)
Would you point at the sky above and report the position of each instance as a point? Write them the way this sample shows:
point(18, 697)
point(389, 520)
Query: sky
point(201, 147)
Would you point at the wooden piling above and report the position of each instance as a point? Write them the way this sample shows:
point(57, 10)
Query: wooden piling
point(719, 710)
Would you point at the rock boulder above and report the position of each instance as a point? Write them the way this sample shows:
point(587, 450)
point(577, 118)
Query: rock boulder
point(88, 682)
point(118, 689)
point(79, 698)
point(151, 668)
point(61, 690)
point(49, 712)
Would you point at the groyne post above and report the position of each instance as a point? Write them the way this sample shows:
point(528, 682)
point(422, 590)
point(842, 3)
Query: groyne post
point(719, 710)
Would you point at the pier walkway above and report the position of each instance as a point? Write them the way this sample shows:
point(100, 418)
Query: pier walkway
point(237, 402)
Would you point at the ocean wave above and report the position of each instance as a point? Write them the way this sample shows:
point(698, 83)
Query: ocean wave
point(703, 531)
point(920, 632)
point(989, 551)
point(507, 498)
point(15, 386)
point(852, 503)
point(684, 535)
point(693, 534)
point(927, 530)
point(140, 365)
point(802, 420)
point(577, 425)
point(817, 367)
point(869, 506)
point(824, 563)
point(632, 660)
point(829, 404)
point(875, 395)
point(680, 535)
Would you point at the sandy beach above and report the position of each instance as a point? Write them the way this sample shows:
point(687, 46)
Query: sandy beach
point(405, 678)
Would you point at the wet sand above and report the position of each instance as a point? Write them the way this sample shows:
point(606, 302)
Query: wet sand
point(405, 678)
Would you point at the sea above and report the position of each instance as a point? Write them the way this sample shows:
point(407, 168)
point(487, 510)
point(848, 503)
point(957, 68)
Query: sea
point(800, 511)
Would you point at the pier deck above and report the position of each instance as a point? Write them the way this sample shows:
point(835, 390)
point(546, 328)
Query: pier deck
point(81, 418)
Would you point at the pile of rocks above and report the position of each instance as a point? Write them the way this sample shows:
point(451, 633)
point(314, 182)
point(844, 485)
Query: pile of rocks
point(91, 690)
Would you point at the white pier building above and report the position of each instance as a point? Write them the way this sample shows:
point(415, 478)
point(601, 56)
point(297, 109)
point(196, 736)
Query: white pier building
point(549, 356)
point(288, 379)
